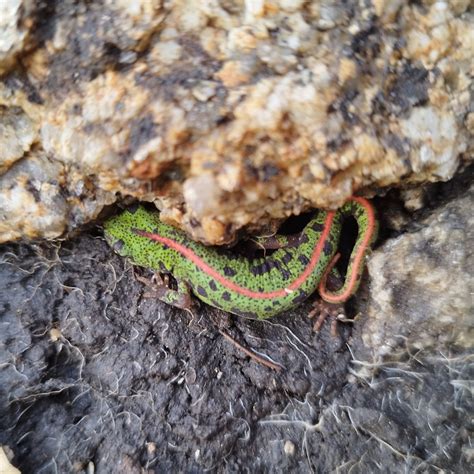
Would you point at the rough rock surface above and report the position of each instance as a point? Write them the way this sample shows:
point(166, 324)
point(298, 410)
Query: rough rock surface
point(423, 285)
point(16, 20)
point(95, 376)
point(228, 115)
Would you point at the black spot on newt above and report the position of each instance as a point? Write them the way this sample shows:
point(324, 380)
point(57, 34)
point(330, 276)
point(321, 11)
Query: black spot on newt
point(258, 269)
point(285, 273)
point(226, 296)
point(229, 272)
point(317, 227)
point(287, 258)
point(302, 239)
point(327, 248)
point(300, 297)
point(201, 291)
point(212, 285)
point(304, 260)
point(265, 267)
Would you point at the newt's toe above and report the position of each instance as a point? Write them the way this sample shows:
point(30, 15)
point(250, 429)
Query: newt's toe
point(321, 311)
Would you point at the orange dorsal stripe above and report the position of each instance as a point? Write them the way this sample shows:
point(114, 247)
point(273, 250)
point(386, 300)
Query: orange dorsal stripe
point(206, 268)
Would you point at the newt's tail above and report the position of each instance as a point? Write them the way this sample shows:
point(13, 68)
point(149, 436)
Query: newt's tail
point(364, 214)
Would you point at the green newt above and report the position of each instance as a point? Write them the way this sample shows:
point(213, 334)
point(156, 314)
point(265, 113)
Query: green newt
point(258, 288)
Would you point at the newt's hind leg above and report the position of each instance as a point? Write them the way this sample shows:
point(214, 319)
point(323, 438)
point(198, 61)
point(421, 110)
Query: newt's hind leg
point(179, 298)
point(323, 310)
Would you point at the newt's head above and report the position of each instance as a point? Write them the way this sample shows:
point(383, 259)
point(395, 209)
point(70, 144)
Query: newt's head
point(128, 234)
point(119, 230)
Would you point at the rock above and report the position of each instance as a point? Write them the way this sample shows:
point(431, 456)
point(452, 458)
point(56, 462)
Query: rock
point(283, 106)
point(17, 135)
point(421, 287)
point(34, 187)
point(289, 448)
point(16, 21)
point(5, 466)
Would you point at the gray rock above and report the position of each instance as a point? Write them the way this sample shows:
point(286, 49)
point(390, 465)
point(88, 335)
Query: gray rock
point(421, 292)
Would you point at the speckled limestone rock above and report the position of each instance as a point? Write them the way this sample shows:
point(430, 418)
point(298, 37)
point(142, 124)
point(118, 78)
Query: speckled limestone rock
point(232, 115)
point(33, 198)
point(422, 287)
point(17, 133)
point(16, 19)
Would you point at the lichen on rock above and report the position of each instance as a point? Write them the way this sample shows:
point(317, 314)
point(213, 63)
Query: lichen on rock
point(233, 115)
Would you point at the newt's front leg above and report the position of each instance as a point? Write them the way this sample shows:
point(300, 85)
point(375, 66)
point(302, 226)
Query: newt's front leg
point(179, 298)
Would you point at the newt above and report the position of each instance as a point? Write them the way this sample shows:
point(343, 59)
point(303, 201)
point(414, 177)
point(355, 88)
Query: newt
point(257, 288)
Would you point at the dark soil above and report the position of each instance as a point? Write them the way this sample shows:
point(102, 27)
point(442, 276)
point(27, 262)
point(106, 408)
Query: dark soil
point(94, 375)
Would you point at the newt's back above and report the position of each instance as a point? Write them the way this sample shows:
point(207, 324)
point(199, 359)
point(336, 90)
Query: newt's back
point(258, 288)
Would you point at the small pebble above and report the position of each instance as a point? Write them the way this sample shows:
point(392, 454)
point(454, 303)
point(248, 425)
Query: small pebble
point(289, 448)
